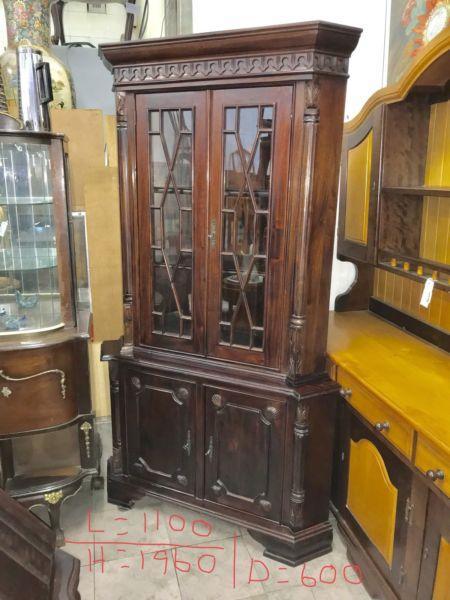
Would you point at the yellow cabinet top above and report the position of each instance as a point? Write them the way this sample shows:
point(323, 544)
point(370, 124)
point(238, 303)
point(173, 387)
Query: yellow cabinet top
point(408, 374)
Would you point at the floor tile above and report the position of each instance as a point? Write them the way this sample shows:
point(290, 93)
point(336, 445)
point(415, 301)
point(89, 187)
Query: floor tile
point(186, 526)
point(132, 579)
point(86, 585)
point(128, 532)
point(231, 556)
point(74, 520)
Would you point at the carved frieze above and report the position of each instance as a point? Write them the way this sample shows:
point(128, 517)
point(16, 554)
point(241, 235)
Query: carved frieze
point(297, 62)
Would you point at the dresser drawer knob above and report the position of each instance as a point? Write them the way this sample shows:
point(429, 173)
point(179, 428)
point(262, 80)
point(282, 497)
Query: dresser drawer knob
point(345, 393)
point(382, 426)
point(437, 474)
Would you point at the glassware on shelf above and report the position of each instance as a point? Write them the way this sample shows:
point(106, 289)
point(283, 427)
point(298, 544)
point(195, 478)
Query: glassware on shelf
point(29, 285)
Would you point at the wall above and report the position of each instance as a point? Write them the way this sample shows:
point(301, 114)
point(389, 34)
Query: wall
point(367, 65)
point(81, 26)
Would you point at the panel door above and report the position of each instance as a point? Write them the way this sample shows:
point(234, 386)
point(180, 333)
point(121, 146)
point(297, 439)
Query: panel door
point(434, 582)
point(249, 151)
point(160, 414)
point(244, 451)
point(376, 499)
point(171, 159)
point(359, 190)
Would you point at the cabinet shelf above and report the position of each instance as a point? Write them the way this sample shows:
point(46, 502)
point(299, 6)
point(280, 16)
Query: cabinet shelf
point(25, 200)
point(413, 275)
point(27, 261)
point(419, 190)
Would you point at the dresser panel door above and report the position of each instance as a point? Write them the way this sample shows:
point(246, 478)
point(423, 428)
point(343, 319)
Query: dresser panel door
point(249, 150)
point(434, 582)
point(171, 183)
point(375, 499)
point(244, 451)
point(160, 414)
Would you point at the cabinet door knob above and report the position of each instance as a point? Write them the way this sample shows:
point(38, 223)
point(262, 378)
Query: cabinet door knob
point(437, 474)
point(217, 400)
point(182, 393)
point(382, 426)
point(345, 393)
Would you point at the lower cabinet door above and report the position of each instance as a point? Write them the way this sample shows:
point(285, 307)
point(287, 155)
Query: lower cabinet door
point(244, 451)
point(161, 429)
point(376, 500)
point(434, 582)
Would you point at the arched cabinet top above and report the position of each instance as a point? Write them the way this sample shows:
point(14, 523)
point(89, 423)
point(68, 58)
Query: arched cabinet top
point(430, 69)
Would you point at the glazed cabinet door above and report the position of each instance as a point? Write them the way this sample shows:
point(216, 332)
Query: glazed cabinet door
point(171, 181)
point(244, 451)
point(434, 582)
point(249, 149)
point(160, 414)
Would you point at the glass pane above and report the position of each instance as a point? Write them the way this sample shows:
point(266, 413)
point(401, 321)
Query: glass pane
point(159, 169)
point(171, 228)
point(153, 120)
point(186, 230)
point(234, 169)
point(259, 171)
point(245, 224)
point(171, 130)
point(266, 117)
point(171, 222)
point(186, 120)
point(183, 163)
point(248, 129)
point(230, 119)
point(29, 288)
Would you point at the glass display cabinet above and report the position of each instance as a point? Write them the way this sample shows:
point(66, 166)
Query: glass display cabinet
point(44, 374)
point(229, 146)
point(30, 299)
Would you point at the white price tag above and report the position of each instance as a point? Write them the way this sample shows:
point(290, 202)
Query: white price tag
point(3, 228)
point(427, 293)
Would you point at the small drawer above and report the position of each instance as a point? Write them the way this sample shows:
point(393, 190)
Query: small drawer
point(384, 419)
point(434, 463)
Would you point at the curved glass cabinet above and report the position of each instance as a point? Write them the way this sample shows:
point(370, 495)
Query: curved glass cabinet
point(34, 249)
point(48, 443)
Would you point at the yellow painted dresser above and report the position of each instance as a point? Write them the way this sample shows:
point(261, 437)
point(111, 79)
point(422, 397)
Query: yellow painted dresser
point(391, 490)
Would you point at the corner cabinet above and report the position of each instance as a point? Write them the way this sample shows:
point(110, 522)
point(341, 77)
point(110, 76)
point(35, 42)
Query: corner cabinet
point(229, 148)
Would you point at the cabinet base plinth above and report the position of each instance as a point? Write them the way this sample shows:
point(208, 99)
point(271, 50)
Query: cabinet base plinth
point(304, 545)
point(119, 493)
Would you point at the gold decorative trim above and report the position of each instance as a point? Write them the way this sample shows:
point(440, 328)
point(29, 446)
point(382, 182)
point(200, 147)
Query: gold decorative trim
point(86, 428)
point(58, 371)
point(54, 497)
point(396, 92)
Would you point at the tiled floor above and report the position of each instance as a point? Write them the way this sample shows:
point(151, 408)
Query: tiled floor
point(204, 564)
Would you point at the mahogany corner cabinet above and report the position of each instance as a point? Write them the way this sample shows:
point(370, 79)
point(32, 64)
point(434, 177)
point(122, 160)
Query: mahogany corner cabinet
point(229, 154)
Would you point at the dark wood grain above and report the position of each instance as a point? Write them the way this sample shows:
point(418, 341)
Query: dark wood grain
point(29, 560)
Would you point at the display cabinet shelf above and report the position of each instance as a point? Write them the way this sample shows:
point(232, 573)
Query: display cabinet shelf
point(419, 190)
point(439, 283)
point(25, 200)
point(28, 261)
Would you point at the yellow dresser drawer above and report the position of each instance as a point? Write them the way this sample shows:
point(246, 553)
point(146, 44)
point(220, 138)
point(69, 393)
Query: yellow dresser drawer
point(434, 463)
point(386, 421)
